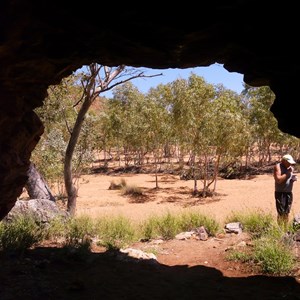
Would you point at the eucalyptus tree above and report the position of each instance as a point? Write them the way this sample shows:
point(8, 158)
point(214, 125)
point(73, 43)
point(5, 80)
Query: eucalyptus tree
point(95, 80)
point(190, 109)
point(70, 101)
point(132, 126)
point(138, 123)
point(161, 96)
point(56, 114)
point(158, 133)
point(109, 129)
point(263, 122)
point(231, 134)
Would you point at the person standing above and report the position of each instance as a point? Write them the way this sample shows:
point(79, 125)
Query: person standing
point(284, 180)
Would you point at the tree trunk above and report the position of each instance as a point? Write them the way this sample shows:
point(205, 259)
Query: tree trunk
point(90, 94)
point(70, 187)
point(36, 186)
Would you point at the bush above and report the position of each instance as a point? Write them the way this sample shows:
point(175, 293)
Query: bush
point(20, 234)
point(273, 256)
point(115, 233)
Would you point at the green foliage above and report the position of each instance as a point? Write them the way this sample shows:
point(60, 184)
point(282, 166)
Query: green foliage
point(191, 220)
point(271, 252)
point(56, 229)
point(78, 237)
point(58, 115)
point(256, 222)
point(169, 225)
point(235, 255)
point(115, 233)
point(79, 232)
point(165, 227)
point(148, 229)
point(273, 256)
point(264, 127)
point(20, 234)
point(49, 157)
point(230, 130)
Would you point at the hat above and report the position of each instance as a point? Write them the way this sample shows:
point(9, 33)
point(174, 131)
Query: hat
point(289, 159)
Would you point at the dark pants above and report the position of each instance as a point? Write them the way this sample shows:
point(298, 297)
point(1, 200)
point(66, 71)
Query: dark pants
point(283, 202)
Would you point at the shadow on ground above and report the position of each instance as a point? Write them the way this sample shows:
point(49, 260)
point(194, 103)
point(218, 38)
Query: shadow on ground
point(51, 273)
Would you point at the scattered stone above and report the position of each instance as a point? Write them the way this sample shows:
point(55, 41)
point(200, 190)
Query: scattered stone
point(235, 227)
point(202, 233)
point(184, 235)
point(136, 254)
point(157, 242)
point(199, 233)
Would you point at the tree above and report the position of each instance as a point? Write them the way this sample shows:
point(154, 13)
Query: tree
point(190, 107)
point(263, 122)
point(97, 80)
point(230, 134)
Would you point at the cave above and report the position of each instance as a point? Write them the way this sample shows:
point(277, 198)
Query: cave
point(44, 41)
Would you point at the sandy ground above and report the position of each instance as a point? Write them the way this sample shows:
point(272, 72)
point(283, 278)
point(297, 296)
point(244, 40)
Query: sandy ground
point(174, 195)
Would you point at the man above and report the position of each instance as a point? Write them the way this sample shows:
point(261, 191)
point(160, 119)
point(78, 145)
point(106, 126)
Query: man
point(284, 180)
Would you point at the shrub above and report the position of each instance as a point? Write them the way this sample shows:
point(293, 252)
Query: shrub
point(115, 233)
point(20, 234)
point(132, 190)
point(257, 223)
point(192, 220)
point(79, 232)
point(273, 256)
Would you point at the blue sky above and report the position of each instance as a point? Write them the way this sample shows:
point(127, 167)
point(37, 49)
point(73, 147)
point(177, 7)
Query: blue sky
point(214, 74)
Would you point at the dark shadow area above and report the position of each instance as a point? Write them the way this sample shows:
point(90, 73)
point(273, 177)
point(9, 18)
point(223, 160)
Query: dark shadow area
point(231, 171)
point(150, 194)
point(189, 202)
point(49, 273)
point(140, 198)
point(235, 171)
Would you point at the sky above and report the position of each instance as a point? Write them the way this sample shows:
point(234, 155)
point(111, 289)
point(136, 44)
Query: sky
point(213, 74)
